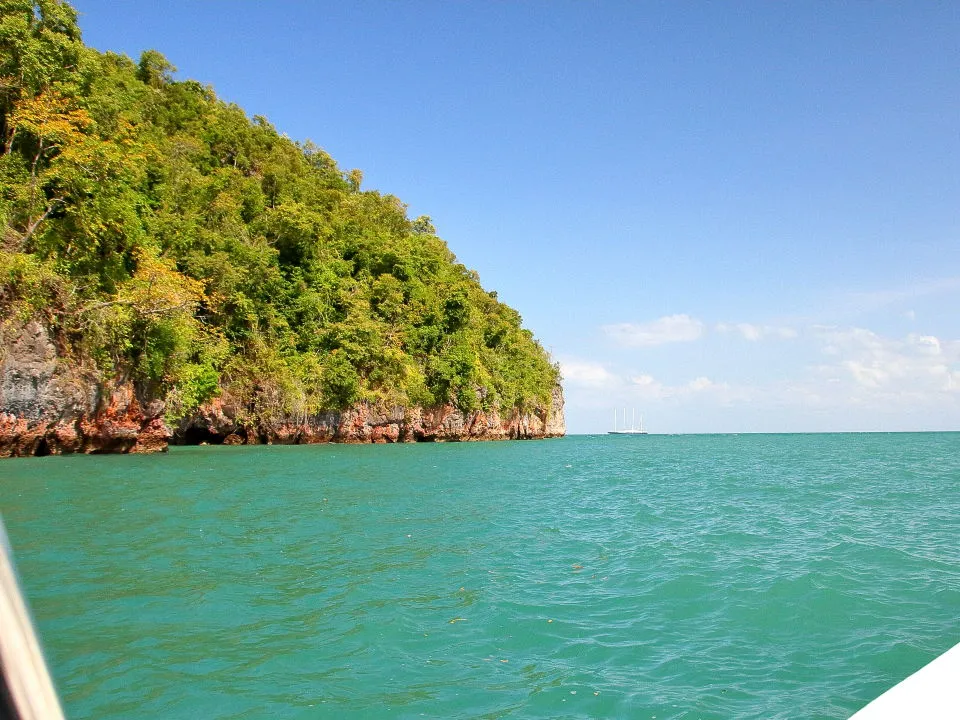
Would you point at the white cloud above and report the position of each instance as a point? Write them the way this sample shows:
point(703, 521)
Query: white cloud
point(871, 376)
point(701, 383)
point(882, 368)
point(586, 373)
point(649, 388)
point(787, 333)
point(925, 344)
point(669, 329)
point(645, 387)
point(754, 333)
point(952, 382)
point(822, 377)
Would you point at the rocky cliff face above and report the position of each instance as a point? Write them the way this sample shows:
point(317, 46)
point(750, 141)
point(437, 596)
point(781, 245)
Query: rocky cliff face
point(50, 407)
point(221, 422)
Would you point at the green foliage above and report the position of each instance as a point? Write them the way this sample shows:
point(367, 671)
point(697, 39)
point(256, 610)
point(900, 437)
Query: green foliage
point(167, 236)
point(154, 69)
point(340, 383)
point(28, 286)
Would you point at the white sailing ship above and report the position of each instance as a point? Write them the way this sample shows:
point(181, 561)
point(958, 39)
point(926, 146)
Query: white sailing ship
point(632, 430)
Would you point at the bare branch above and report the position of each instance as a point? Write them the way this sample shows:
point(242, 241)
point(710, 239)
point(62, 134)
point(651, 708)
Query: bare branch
point(8, 145)
point(36, 223)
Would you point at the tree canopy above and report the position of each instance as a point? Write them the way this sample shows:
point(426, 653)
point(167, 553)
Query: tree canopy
point(165, 236)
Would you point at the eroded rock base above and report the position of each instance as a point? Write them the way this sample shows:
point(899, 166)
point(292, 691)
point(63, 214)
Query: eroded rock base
point(49, 407)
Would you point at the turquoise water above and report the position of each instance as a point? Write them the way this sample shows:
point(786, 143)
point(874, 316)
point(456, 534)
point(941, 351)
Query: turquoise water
point(754, 576)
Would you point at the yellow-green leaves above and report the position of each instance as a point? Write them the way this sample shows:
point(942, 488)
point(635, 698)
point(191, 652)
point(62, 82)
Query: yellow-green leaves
point(52, 120)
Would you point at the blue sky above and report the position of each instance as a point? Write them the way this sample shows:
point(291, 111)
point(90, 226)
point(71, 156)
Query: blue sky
point(733, 217)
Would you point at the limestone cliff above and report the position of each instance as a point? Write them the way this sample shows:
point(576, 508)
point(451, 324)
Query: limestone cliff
point(49, 406)
point(222, 422)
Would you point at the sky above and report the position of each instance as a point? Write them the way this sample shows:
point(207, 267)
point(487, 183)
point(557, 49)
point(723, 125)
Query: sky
point(723, 217)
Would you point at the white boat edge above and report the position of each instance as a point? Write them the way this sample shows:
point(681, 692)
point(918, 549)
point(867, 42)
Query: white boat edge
point(931, 693)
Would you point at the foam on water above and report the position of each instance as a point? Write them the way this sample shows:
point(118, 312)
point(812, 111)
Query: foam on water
point(670, 577)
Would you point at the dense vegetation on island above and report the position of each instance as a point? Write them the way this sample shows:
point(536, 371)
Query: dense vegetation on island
point(164, 236)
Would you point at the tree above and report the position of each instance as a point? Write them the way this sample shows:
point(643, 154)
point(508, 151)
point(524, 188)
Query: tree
point(154, 69)
point(46, 124)
point(39, 47)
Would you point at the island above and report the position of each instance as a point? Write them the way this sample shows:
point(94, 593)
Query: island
point(174, 271)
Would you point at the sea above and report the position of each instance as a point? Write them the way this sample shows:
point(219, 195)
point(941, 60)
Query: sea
point(653, 577)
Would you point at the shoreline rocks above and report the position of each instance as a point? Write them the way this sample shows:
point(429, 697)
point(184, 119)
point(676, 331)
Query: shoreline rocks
point(49, 407)
point(219, 422)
